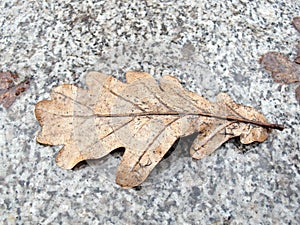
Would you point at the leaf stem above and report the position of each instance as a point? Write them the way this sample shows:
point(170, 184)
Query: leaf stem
point(229, 118)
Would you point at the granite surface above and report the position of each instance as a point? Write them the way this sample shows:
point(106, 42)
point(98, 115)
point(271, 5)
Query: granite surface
point(211, 46)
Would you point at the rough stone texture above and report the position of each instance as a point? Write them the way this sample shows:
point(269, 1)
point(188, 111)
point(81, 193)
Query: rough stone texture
point(211, 46)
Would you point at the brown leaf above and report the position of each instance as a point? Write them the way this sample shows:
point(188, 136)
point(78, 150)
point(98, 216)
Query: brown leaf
point(283, 70)
point(297, 94)
point(296, 23)
point(297, 59)
point(144, 117)
point(9, 90)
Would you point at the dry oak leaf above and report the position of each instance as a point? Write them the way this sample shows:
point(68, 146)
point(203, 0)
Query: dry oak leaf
point(144, 117)
point(296, 23)
point(283, 70)
point(297, 94)
point(297, 59)
point(9, 90)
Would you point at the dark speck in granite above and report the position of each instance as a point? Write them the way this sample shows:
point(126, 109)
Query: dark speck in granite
point(211, 46)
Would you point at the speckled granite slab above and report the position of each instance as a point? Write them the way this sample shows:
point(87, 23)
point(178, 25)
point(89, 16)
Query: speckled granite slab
point(211, 46)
